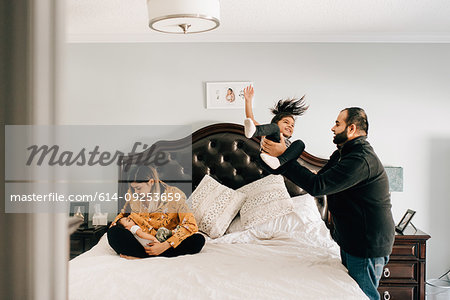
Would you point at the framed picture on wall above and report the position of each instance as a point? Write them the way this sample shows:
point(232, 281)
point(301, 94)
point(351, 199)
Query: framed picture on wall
point(226, 95)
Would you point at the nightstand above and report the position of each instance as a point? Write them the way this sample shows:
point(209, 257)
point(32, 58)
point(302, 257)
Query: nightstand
point(84, 239)
point(404, 276)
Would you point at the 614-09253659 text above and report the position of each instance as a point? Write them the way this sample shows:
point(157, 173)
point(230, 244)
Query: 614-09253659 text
point(102, 197)
point(47, 167)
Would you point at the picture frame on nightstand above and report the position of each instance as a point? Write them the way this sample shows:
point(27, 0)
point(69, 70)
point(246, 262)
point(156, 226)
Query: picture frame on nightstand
point(406, 219)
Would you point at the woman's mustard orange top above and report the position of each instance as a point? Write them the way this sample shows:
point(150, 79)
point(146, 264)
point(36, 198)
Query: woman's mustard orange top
point(169, 214)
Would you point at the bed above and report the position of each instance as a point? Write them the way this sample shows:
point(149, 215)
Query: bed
point(288, 257)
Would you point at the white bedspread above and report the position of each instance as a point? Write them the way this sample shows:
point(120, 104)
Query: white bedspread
point(302, 263)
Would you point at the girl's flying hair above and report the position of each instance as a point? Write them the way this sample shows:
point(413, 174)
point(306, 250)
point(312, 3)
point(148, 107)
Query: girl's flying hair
point(289, 108)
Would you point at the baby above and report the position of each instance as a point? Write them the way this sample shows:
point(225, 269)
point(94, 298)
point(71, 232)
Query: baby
point(282, 123)
point(143, 237)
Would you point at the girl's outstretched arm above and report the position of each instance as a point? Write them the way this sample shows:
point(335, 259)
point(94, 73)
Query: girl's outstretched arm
point(248, 95)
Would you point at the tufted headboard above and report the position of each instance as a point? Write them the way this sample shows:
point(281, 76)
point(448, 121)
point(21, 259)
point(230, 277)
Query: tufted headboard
point(219, 150)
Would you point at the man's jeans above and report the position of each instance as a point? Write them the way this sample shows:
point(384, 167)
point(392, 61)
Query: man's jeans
point(365, 271)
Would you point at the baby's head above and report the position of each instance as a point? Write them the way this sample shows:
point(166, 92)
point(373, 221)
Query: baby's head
point(285, 112)
point(125, 222)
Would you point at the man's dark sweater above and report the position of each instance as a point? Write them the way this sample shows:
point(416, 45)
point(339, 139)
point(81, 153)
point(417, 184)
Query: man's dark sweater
point(357, 190)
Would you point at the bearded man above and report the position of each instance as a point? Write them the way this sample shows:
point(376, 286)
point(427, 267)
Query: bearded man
point(357, 190)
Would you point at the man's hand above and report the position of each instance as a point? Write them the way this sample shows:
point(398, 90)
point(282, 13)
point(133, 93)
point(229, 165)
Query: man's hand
point(249, 93)
point(272, 148)
point(157, 248)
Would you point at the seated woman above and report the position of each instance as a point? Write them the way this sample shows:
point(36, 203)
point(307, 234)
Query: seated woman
point(154, 205)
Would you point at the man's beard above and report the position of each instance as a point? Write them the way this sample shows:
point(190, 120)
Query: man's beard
point(341, 138)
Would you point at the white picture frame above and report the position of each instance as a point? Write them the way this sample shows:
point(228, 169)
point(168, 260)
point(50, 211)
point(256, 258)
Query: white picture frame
point(226, 95)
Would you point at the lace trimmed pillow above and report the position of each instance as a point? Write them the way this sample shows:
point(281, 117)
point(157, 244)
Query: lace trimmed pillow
point(214, 206)
point(267, 198)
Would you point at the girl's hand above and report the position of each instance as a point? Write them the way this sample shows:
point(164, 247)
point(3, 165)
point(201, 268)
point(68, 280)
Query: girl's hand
point(249, 93)
point(157, 248)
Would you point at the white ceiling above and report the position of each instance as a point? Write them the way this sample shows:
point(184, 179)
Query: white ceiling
point(271, 21)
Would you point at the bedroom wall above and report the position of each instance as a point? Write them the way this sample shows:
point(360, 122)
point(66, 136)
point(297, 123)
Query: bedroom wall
point(403, 87)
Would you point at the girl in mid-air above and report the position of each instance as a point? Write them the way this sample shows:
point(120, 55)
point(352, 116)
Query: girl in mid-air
point(282, 125)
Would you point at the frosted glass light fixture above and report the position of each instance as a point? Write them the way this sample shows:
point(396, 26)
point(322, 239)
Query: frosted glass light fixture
point(183, 16)
point(395, 175)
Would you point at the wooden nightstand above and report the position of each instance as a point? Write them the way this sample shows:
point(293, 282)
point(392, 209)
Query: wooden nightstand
point(84, 239)
point(404, 276)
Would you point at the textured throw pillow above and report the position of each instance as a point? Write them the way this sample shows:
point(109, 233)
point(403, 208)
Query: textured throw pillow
point(214, 206)
point(267, 199)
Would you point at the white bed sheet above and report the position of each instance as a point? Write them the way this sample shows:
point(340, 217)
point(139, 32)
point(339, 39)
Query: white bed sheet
point(267, 262)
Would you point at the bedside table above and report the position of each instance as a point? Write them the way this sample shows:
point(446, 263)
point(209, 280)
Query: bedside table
point(84, 239)
point(404, 276)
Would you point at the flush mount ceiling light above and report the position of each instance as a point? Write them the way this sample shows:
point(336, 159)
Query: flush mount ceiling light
point(183, 16)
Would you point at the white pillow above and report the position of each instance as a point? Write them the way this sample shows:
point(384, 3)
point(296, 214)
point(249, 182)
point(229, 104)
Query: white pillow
point(214, 206)
point(306, 209)
point(235, 226)
point(288, 223)
point(305, 212)
point(267, 199)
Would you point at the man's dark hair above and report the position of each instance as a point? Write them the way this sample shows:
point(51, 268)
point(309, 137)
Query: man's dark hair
point(357, 116)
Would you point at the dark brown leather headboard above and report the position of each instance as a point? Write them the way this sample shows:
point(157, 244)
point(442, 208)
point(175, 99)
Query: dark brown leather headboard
point(219, 150)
